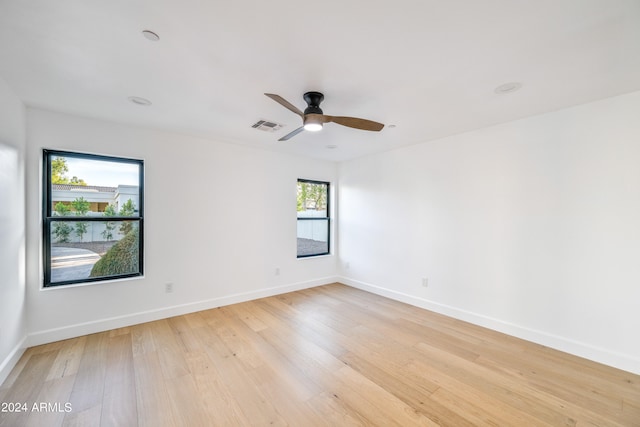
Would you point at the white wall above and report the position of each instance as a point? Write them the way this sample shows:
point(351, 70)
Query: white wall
point(219, 220)
point(12, 230)
point(530, 227)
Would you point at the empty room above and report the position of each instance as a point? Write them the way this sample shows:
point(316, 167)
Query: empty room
point(319, 213)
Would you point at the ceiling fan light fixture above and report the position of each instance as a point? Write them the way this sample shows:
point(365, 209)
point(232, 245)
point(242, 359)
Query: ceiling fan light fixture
point(312, 125)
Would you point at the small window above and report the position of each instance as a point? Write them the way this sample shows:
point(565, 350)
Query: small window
point(313, 218)
point(92, 218)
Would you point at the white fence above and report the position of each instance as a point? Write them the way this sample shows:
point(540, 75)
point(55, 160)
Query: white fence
point(95, 230)
point(314, 230)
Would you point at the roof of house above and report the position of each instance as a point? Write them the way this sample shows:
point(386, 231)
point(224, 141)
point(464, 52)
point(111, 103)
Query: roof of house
point(91, 188)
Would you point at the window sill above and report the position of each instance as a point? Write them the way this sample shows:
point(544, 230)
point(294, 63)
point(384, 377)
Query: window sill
point(314, 256)
point(79, 285)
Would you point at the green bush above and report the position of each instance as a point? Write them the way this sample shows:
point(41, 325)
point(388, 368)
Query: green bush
point(122, 258)
point(62, 230)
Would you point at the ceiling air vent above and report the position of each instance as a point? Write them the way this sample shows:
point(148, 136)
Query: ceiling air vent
point(267, 125)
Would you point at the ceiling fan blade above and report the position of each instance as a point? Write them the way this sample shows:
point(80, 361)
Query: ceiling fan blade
point(354, 122)
point(292, 134)
point(286, 104)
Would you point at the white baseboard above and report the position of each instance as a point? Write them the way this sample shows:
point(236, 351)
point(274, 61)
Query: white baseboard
point(76, 330)
point(617, 360)
point(12, 359)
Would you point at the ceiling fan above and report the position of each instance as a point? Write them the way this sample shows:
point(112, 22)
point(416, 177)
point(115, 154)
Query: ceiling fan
point(313, 118)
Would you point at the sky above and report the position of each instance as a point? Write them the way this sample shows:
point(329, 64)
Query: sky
point(108, 174)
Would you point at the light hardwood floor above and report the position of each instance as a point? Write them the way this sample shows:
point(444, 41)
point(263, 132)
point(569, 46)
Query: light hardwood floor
point(327, 356)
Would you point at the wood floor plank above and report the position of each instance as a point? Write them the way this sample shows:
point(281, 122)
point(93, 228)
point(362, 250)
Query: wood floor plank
point(631, 411)
point(459, 374)
point(239, 347)
point(68, 359)
point(409, 388)
point(119, 405)
point(453, 344)
point(561, 389)
point(152, 395)
point(186, 402)
point(142, 339)
point(52, 402)
point(90, 417)
point(170, 350)
point(488, 396)
point(245, 312)
point(483, 412)
point(27, 386)
point(183, 332)
point(330, 338)
point(285, 399)
point(195, 320)
point(15, 372)
point(88, 389)
point(334, 412)
point(273, 360)
point(376, 403)
point(256, 406)
point(221, 406)
point(326, 356)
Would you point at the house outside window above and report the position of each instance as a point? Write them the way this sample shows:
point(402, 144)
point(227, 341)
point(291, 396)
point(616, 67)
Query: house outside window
point(92, 218)
point(313, 236)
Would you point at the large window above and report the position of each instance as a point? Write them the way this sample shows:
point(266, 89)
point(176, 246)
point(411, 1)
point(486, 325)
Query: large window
point(313, 218)
point(92, 218)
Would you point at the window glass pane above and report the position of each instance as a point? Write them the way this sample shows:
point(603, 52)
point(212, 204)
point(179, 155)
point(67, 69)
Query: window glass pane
point(82, 187)
point(313, 237)
point(87, 237)
point(90, 249)
point(312, 199)
point(313, 218)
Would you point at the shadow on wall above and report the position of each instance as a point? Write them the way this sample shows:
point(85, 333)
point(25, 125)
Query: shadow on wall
point(9, 199)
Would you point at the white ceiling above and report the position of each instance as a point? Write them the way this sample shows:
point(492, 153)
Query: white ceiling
point(429, 67)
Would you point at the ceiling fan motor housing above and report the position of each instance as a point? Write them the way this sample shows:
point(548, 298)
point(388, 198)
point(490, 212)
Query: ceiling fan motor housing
point(313, 100)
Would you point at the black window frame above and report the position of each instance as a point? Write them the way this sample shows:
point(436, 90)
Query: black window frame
point(48, 218)
point(327, 218)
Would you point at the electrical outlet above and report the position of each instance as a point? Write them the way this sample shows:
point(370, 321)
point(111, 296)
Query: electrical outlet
point(347, 265)
point(168, 288)
point(425, 282)
point(277, 271)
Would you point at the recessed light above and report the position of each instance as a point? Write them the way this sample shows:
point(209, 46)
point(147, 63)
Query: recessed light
point(139, 101)
point(150, 35)
point(508, 88)
point(332, 146)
